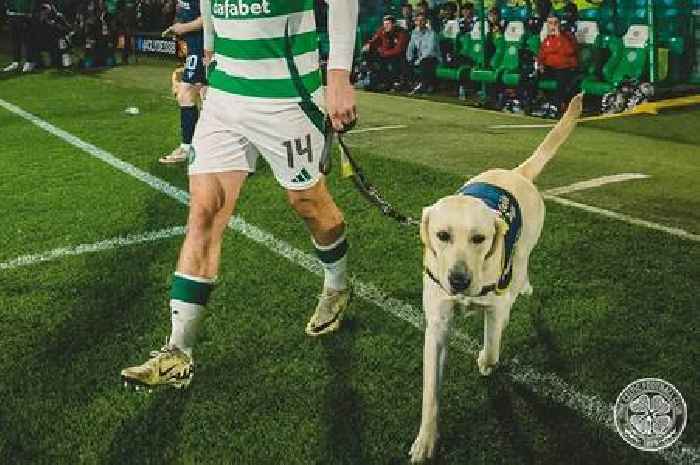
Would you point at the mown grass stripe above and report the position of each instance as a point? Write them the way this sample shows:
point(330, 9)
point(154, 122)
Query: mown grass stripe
point(547, 385)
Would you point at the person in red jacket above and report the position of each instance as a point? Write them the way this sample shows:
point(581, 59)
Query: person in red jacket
point(386, 51)
point(558, 60)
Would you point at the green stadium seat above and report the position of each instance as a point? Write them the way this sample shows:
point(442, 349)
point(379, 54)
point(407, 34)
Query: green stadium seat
point(588, 39)
point(628, 58)
point(491, 74)
point(514, 39)
point(468, 51)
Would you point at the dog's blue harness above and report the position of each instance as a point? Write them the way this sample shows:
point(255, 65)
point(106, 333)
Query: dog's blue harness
point(502, 202)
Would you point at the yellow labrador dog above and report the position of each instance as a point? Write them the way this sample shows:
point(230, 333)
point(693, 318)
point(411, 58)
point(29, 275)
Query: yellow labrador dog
point(477, 244)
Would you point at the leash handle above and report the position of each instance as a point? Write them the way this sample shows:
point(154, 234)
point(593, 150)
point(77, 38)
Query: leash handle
point(325, 164)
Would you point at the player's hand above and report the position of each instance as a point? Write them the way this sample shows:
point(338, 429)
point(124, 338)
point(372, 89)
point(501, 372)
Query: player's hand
point(206, 59)
point(176, 29)
point(340, 99)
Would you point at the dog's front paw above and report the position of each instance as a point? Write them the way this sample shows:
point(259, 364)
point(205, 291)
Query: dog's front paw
point(485, 366)
point(423, 447)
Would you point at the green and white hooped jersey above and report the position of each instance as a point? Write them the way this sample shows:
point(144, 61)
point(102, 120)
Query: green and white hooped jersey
point(266, 49)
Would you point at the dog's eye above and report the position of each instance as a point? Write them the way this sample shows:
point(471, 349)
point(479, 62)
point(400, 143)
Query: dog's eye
point(478, 238)
point(444, 236)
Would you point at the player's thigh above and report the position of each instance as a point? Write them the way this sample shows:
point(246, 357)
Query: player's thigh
point(218, 145)
point(187, 93)
point(290, 142)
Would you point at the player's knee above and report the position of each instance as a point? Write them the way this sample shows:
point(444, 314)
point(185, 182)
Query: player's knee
point(186, 95)
point(324, 214)
point(305, 207)
point(202, 217)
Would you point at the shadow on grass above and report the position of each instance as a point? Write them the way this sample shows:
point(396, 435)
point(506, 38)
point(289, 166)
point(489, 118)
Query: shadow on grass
point(342, 404)
point(99, 320)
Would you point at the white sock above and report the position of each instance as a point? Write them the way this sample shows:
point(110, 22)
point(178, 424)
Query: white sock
point(186, 319)
point(335, 274)
point(185, 147)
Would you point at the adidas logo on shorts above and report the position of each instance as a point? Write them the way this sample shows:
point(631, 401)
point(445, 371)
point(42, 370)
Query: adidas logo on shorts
point(303, 176)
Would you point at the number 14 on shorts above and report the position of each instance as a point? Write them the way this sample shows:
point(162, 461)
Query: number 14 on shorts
point(301, 150)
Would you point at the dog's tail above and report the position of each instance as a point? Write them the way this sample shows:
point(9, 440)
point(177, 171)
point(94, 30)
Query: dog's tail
point(532, 167)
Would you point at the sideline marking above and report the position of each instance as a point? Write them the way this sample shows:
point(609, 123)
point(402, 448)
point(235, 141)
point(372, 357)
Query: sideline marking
point(547, 385)
point(108, 244)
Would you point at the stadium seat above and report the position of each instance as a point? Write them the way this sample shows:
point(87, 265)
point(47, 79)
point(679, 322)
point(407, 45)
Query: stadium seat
point(627, 60)
point(468, 51)
point(589, 40)
point(514, 38)
point(492, 73)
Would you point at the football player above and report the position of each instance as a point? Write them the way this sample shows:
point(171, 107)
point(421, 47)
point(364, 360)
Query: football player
point(265, 97)
point(188, 26)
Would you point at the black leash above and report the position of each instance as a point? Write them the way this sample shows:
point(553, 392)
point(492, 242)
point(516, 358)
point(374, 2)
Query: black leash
point(366, 188)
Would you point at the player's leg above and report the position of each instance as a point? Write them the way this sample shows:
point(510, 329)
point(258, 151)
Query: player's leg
point(189, 90)
point(325, 222)
point(213, 198)
point(289, 137)
point(15, 37)
point(218, 168)
point(187, 95)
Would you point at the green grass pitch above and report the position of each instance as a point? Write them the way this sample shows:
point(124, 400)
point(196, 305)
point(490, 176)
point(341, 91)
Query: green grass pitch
point(613, 301)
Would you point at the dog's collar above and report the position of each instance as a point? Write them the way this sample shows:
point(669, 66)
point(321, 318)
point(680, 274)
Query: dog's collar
point(506, 206)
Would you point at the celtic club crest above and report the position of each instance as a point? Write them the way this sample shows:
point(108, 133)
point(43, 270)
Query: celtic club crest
point(650, 414)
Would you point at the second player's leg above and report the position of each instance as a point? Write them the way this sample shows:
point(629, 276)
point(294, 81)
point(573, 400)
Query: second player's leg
point(327, 227)
point(319, 211)
point(187, 96)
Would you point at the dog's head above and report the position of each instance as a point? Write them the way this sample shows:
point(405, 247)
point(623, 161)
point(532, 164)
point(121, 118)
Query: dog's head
point(464, 244)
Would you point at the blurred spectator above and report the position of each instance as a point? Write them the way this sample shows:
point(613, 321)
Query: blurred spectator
point(390, 8)
point(424, 54)
point(558, 60)
point(527, 85)
point(543, 8)
point(569, 18)
point(408, 16)
point(497, 25)
point(22, 25)
point(51, 29)
point(448, 12)
point(467, 19)
point(430, 14)
point(386, 52)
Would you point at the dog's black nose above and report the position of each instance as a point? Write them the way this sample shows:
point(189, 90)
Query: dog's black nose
point(459, 281)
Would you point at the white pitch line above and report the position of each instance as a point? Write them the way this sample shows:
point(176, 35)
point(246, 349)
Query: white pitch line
point(677, 232)
point(131, 239)
point(546, 385)
point(595, 182)
point(379, 128)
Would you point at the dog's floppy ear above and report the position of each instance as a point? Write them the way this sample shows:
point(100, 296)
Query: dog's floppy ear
point(424, 225)
point(498, 238)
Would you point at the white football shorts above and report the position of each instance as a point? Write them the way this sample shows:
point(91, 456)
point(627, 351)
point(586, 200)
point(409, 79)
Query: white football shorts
point(232, 132)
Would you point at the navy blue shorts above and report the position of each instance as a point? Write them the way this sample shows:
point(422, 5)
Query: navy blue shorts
point(194, 70)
